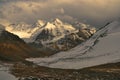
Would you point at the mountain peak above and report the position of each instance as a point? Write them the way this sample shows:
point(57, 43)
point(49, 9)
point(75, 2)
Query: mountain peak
point(40, 23)
point(49, 26)
point(57, 21)
point(106, 38)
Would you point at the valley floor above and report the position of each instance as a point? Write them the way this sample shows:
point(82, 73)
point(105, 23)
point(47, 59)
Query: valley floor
point(102, 72)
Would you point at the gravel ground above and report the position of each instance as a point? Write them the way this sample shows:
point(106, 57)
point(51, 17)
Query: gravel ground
point(34, 72)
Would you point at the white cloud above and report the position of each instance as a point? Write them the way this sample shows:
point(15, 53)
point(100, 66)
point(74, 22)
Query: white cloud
point(59, 11)
point(92, 11)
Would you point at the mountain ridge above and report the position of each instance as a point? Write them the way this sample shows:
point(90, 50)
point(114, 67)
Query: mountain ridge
point(13, 49)
point(101, 48)
point(54, 34)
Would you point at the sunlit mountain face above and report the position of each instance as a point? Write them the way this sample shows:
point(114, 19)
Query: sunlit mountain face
point(93, 12)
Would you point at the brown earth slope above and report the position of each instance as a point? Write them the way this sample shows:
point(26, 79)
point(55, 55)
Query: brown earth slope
point(12, 48)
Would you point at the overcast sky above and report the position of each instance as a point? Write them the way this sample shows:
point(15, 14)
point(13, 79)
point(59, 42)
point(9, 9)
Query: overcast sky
point(94, 12)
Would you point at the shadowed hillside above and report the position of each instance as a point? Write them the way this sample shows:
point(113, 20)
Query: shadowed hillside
point(12, 48)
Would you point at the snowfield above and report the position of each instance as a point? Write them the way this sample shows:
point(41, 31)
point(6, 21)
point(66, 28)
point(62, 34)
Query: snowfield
point(102, 48)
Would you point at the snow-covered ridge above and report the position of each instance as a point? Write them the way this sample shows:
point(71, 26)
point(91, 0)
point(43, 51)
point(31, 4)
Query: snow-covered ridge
point(54, 34)
point(24, 30)
point(55, 26)
point(21, 29)
point(61, 36)
point(102, 48)
point(30, 32)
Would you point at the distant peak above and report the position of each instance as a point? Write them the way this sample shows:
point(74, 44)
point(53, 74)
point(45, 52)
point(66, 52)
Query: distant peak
point(57, 21)
point(47, 23)
point(40, 22)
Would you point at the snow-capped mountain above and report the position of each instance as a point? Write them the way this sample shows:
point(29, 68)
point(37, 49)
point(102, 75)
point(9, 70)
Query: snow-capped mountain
point(102, 48)
point(23, 30)
point(56, 28)
point(54, 34)
point(61, 36)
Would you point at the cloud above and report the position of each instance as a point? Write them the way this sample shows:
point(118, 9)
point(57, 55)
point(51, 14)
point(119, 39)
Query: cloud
point(95, 12)
point(59, 11)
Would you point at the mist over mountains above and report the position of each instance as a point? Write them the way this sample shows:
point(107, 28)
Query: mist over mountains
point(93, 12)
point(59, 39)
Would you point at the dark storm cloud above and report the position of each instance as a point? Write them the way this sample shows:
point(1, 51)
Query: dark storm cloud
point(95, 12)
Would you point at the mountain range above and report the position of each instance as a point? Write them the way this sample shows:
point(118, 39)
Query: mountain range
point(20, 41)
point(102, 48)
point(83, 47)
point(56, 35)
point(13, 48)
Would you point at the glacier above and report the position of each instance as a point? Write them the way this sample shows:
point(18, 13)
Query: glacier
point(102, 48)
